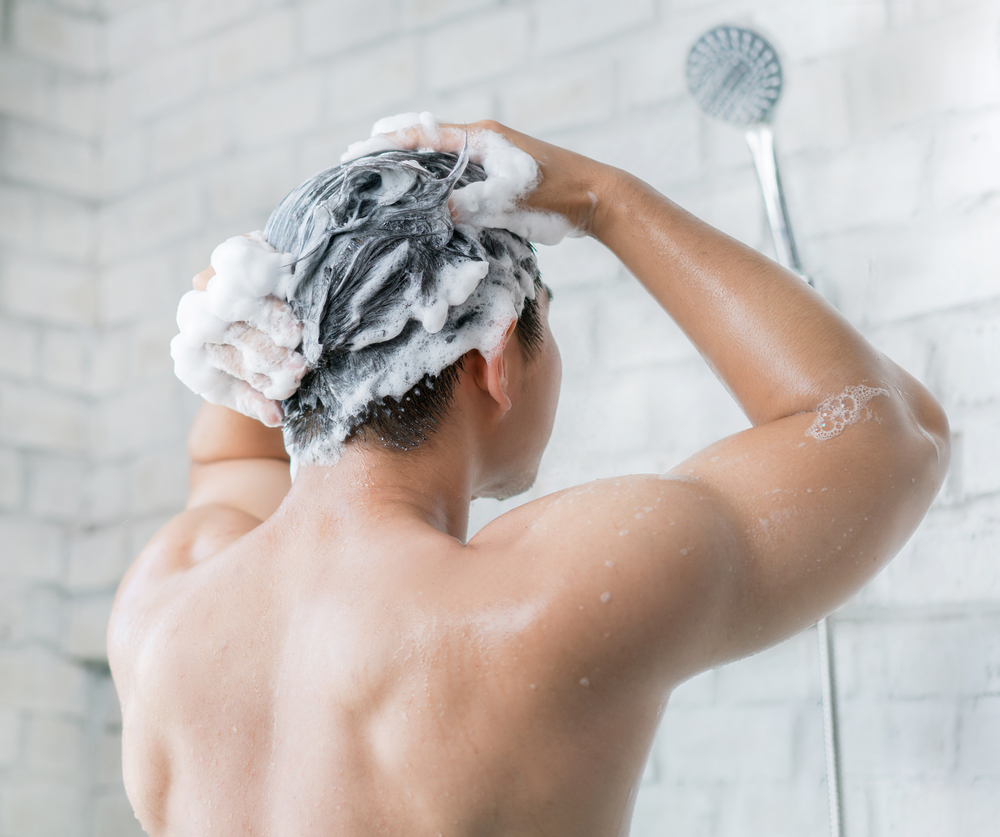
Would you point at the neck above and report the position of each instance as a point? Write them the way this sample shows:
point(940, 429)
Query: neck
point(432, 484)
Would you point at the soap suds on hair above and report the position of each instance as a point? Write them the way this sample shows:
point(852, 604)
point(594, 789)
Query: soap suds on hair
point(839, 411)
point(494, 202)
point(390, 287)
point(383, 270)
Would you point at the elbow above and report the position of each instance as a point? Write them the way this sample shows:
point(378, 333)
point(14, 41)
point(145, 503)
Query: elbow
point(932, 439)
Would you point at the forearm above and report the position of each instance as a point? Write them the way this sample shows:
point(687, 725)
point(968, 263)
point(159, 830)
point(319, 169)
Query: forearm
point(219, 434)
point(774, 342)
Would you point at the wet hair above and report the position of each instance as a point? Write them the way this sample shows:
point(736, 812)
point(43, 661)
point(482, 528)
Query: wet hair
point(392, 295)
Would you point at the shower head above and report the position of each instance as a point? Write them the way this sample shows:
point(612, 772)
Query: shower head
point(734, 75)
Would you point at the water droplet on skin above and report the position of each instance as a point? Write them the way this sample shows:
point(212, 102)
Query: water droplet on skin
point(584, 682)
point(234, 730)
point(612, 563)
point(623, 532)
point(605, 597)
point(531, 686)
point(684, 552)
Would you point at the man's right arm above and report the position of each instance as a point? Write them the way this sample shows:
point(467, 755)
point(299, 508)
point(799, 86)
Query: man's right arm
point(785, 520)
point(798, 517)
point(817, 510)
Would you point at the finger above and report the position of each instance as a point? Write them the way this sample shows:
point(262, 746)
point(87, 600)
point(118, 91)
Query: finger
point(277, 320)
point(200, 281)
point(249, 354)
point(240, 396)
point(445, 138)
point(275, 382)
point(233, 362)
point(260, 351)
point(415, 137)
point(269, 314)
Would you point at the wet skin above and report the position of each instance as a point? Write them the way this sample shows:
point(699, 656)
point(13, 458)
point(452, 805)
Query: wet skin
point(334, 659)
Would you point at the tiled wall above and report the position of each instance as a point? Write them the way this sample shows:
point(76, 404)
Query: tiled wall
point(135, 135)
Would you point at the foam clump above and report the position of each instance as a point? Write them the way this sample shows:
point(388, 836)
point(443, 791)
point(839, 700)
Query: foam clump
point(840, 411)
point(494, 202)
point(244, 307)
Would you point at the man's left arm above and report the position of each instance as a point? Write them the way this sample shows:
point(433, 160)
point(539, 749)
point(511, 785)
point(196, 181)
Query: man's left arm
point(239, 471)
point(237, 463)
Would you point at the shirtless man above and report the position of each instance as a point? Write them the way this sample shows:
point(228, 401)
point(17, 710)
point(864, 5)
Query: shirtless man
point(330, 656)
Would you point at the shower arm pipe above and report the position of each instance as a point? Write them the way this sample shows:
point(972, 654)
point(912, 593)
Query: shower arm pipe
point(830, 727)
point(760, 138)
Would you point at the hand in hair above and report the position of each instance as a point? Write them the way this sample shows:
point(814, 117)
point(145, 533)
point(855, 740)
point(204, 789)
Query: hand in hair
point(568, 182)
point(249, 367)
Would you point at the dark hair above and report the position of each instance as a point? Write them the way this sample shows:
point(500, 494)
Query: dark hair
point(375, 247)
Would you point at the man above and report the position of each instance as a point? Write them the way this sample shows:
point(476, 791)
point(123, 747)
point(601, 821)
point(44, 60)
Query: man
point(331, 657)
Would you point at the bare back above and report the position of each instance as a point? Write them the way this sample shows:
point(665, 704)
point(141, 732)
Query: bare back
point(304, 682)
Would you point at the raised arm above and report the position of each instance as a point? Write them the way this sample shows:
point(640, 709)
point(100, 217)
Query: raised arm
point(239, 471)
point(236, 461)
point(767, 531)
point(848, 450)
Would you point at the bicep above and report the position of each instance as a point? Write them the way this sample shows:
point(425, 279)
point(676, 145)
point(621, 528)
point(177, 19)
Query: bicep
point(813, 520)
point(635, 566)
point(741, 546)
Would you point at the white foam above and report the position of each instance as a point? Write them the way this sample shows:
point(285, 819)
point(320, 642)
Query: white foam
point(494, 202)
point(248, 274)
point(251, 276)
point(840, 411)
point(193, 366)
point(423, 354)
point(248, 270)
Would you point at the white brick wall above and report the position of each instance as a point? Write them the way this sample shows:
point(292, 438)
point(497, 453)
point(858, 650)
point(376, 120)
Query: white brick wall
point(136, 134)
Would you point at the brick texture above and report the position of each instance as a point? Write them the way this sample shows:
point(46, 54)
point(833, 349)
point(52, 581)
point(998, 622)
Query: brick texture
point(136, 134)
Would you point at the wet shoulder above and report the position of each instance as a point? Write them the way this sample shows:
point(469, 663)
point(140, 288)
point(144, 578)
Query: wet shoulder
point(630, 569)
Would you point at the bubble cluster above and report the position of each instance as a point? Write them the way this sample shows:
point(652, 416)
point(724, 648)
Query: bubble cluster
point(839, 411)
point(494, 202)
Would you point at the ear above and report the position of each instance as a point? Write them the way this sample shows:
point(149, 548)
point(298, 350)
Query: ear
point(496, 371)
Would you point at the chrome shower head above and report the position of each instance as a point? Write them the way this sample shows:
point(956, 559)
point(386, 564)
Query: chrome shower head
point(734, 75)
